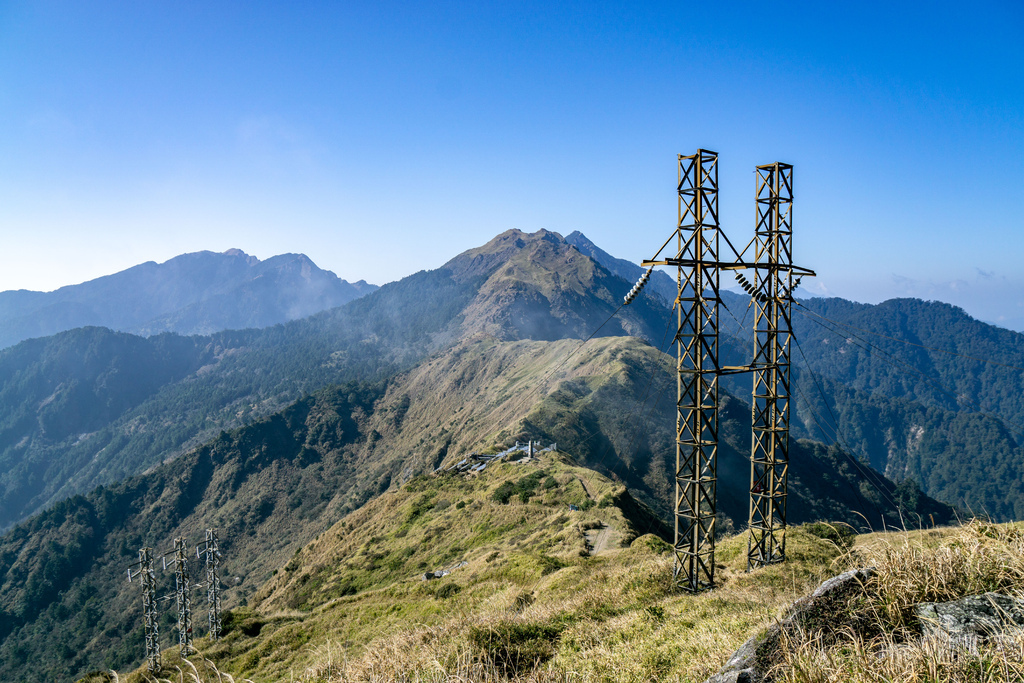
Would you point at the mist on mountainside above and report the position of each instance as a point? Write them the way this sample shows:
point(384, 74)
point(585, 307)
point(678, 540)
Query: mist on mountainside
point(517, 286)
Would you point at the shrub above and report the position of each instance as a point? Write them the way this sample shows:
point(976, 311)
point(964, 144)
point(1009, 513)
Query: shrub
point(514, 646)
point(524, 488)
point(447, 591)
point(420, 506)
point(503, 493)
point(522, 601)
point(649, 543)
point(840, 534)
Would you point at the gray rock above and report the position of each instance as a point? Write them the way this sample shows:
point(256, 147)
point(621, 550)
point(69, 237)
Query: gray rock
point(822, 610)
point(963, 622)
point(741, 666)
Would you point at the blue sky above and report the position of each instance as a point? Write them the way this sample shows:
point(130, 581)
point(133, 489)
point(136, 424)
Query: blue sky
point(383, 138)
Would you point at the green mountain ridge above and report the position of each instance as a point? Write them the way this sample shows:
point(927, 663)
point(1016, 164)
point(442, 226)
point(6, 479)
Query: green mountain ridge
point(273, 486)
point(245, 374)
point(517, 286)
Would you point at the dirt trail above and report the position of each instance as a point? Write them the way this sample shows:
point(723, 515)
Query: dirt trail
point(599, 540)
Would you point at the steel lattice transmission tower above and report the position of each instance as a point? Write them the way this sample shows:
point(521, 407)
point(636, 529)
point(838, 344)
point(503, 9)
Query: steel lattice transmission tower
point(772, 301)
point(183, 594)
point(212, 561)
point(696, 341)
point(150, 619)
point(696, 344)
point(697, 237)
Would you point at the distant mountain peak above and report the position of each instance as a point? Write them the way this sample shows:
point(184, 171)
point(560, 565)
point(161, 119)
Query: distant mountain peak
point(661, 283)
point(249, 259)
point(195, 293)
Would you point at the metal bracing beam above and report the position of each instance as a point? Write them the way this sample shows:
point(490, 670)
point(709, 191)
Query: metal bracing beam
point(696, 340)
point(772, 301)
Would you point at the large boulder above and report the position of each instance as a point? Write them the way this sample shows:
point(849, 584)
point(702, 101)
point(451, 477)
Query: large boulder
point(962, 623)
point(826, 609)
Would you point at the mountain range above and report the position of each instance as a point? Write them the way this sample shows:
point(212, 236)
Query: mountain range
point(110, 441)
point(197, 293)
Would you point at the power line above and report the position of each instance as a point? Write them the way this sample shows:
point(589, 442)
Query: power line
point(910, 343)
point(844, 447)
point(892, 360)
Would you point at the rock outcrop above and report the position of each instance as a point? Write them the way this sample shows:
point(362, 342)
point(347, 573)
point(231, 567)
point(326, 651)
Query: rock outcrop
point(963, 623)
point(821, 610)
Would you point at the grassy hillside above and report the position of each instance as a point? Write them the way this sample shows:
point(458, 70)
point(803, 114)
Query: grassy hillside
point(536, 591)
point(585, 592)
point(277, 483)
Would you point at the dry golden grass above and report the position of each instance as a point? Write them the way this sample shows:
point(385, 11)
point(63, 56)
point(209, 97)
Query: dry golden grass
point(197, 669)
point(911, 568)
point(617, 618)
point(529, 607)
point(886, 660)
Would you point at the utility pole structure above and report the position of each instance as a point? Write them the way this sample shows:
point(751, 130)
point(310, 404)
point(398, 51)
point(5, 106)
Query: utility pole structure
point(183, 596)
point(698, 278)
point(212, 561)
point(696, 341)
point(150, 618)
point(772, 300)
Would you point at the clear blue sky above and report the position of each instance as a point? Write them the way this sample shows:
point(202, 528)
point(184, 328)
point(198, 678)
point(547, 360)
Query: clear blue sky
point(381, 138)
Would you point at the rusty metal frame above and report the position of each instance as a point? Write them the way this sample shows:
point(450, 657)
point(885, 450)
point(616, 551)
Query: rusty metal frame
point(772, 301)
point(696, 340)
point(697, 260)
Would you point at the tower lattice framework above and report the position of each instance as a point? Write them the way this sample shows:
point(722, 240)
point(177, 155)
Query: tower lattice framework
point(772, 301)
point(143, 570)
point(698, 264)
point(696, 341)
point(183, 594)
point(212, 561)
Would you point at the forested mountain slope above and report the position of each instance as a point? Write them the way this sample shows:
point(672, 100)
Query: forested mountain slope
point(518, 286)
point(920, 390)
point(945, 358)
point(272, 486)
point(195, 293)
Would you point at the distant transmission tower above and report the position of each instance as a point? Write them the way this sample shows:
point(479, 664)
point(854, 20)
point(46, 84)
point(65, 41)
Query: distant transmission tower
point(773, 301)
point(144, 569)
point(212, 560)
point(183, 596)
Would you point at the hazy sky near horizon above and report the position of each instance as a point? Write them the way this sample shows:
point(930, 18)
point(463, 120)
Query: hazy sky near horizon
point(383, 138)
